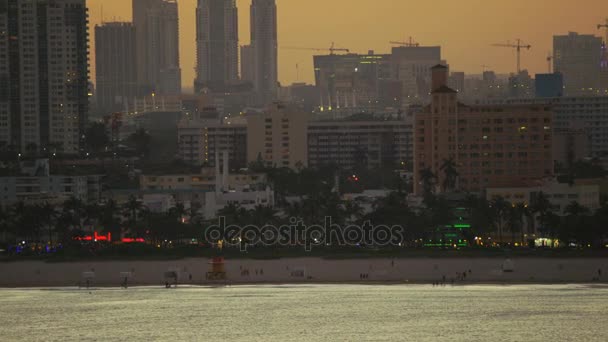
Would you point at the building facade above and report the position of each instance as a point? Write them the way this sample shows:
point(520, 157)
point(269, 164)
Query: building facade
point(352, 144)
point(247, 64)
point(278, 137)
point(264, 44)
point(560, 195)
point(489, 146)
point(578, 58)
point(53, 189)
point(116, 66)
point(157, 46)
point(217, 40)
point(411, 65)
point(589, 113)
point(199, 140)
point(350, 80)
point(44, 74)
point(549, 85)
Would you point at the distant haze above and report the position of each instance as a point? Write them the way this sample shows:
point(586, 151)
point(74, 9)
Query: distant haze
point(465, 29)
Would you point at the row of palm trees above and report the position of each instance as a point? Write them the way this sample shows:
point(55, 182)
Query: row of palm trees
point(46, 224)
point(496, 218)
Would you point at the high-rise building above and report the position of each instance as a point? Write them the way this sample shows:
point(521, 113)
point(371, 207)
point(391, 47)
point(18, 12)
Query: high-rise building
point(116, 66)
point(157, 40)
point(264, 44)
point(350, 80)
point(521, 85)
point(44, 74)
point(578, 58)
point(247, 64)
point(217, 41)
point(411, 66)
point(480, 146)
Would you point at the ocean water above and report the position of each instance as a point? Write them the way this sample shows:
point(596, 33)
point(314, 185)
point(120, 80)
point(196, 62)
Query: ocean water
point(308, 313)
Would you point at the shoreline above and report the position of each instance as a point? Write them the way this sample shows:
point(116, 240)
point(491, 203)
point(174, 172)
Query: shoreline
point(599, 284)
point(309, 271)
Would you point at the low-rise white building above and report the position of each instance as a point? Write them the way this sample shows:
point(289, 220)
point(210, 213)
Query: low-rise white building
point(216, 201)
point(51, 189)
point(559, 194)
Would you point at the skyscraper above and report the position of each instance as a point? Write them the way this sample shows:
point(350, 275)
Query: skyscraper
point(247, 63)
point(43, 74)
point(264, 44)
point(217, 41)
point(157, 39)
point(577, 58)
point(116, 65)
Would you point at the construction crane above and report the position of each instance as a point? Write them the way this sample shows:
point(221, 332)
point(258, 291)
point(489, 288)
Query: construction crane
point(332, 49)
point(517, 46)
point(409, 43)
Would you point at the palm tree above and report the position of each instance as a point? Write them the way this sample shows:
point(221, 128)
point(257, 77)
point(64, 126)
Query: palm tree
point(542, 206)
point(109, 219)
point(480, 214)
point(178, 212)
point(262, 215)
point(576, 223)
point(428, 179)
point(5, 224)
point(48, 215)
point(74, 214)
point(132, 209)
point(27, 220)
point(500, 209)
point(576, 209)
point(451, 174)
point(515, 219)
point(353, 211)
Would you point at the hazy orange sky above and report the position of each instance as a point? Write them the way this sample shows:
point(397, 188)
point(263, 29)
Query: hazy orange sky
point(465, 29)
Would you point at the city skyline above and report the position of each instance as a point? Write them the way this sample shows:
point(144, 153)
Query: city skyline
point(399, 21)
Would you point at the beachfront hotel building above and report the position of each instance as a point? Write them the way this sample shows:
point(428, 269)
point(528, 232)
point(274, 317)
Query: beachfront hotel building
point(491, 145)
point(44, 74)
point(367, 142)
point(278, 136)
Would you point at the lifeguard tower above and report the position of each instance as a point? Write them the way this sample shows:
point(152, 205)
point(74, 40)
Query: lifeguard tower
point(217, 269)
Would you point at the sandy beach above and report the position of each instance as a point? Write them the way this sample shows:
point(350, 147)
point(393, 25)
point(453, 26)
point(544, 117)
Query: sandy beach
point(309, 270)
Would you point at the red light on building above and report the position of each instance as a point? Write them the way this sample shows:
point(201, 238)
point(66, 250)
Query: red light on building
point(94, 237)
point(132, 240)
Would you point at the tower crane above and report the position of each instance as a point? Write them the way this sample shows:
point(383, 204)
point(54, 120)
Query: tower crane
point(409, 43)
point(332, 49)
point(517, 46)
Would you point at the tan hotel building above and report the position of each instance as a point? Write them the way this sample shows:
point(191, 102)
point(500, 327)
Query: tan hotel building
point(491, 145)
point(278, 136)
